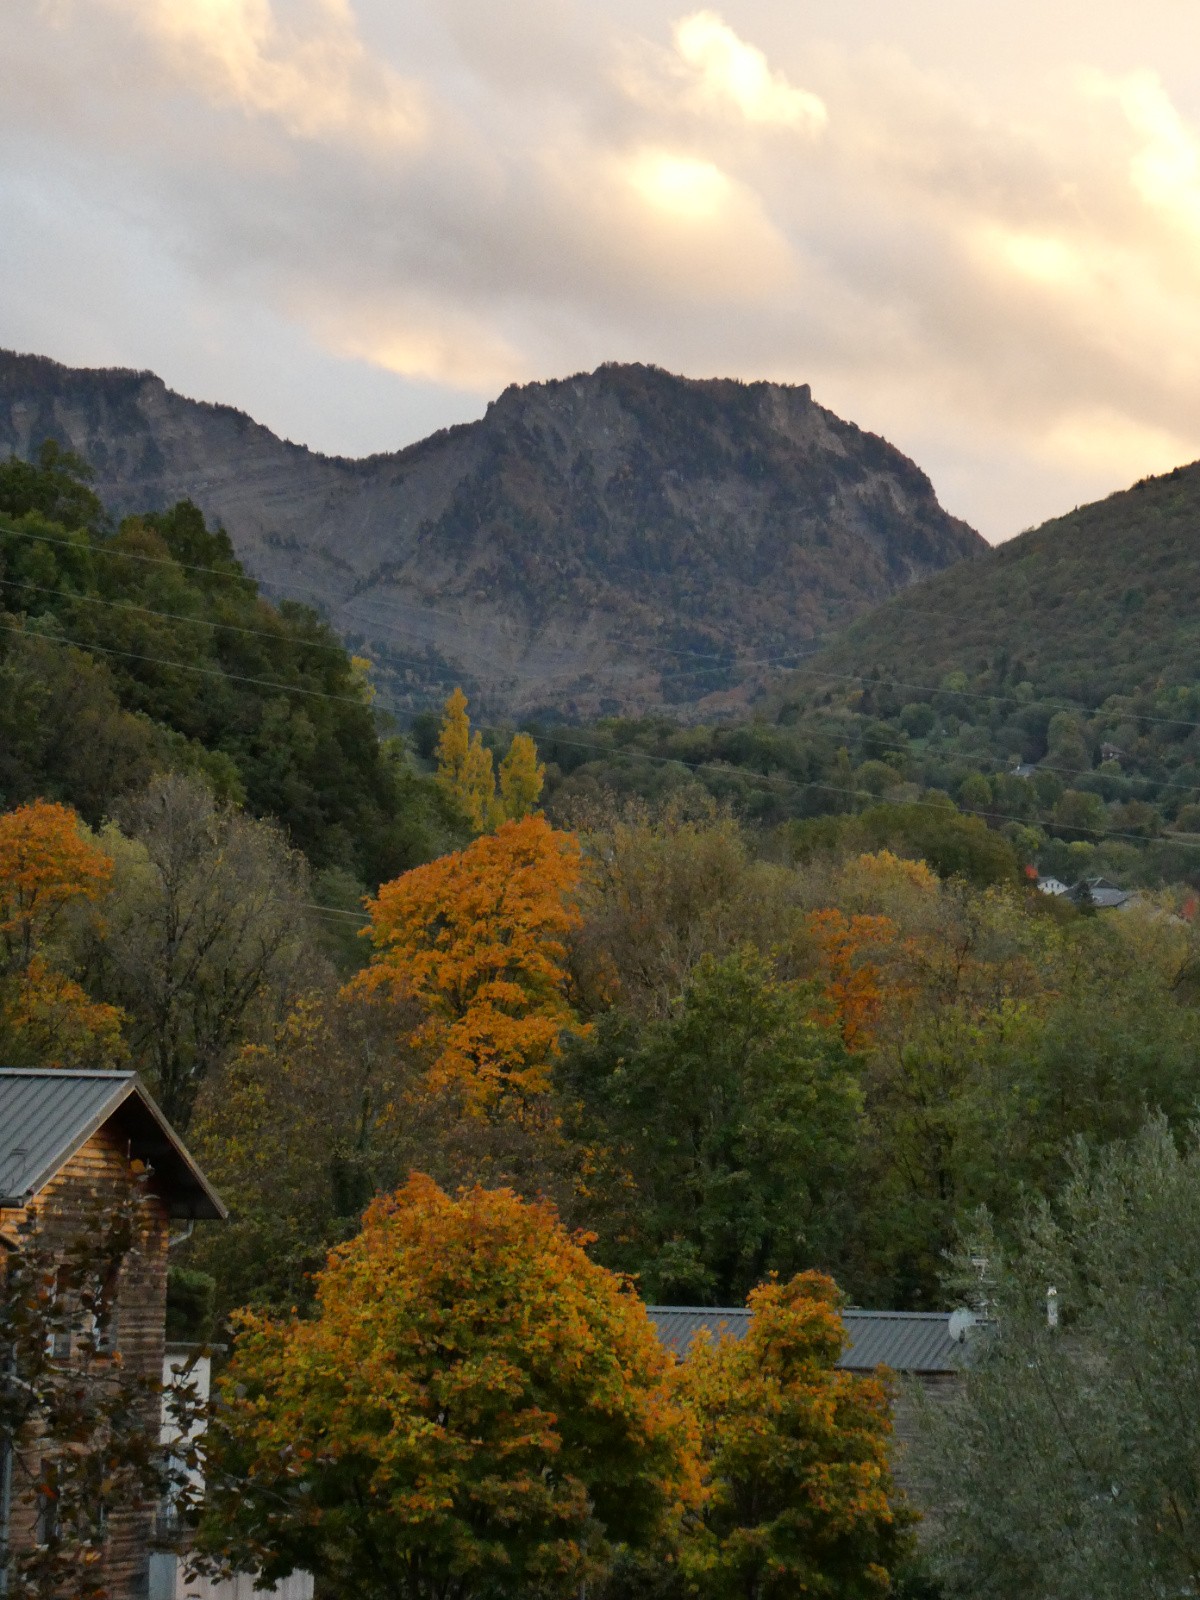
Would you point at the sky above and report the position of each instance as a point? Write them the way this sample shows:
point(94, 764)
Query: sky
point(972, 226)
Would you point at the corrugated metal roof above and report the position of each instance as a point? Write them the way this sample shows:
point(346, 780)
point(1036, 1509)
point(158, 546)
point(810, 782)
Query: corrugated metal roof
point(905, 1341)
point(47, 1114)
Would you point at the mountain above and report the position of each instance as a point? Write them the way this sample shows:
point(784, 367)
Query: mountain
point(1102, 602)
point(603, 543)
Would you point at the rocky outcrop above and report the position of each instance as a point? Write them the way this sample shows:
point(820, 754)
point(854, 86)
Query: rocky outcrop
point(608, 542)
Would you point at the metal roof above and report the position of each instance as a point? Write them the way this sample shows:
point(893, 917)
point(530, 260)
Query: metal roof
point(48, 1113)
point(905, 1341)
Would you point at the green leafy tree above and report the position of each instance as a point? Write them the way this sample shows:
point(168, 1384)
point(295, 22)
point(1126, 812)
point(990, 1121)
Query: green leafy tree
point(1068, 1466)
point(203, 937)
point(56, 486)
point(736, 1115)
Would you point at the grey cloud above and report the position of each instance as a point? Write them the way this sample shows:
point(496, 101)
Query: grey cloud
point(547, 217)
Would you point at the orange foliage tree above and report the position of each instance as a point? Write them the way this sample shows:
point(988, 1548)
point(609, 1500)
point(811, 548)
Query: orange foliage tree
point(477, 939)
point(47, 866)
point(475, 1408)
point(799, 1489)
point(856, 989)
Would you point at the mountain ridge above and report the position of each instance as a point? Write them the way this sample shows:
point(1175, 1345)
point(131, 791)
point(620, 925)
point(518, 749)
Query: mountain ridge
point(564, 553)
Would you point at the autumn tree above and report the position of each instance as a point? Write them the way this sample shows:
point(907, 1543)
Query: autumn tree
point(848, 960)
point(662, 890)
point(799, 1497)
point(204, 934)
point(476, 939)
point(465, 772)
point(467, 777)
point(521, 778)
point(48, 868)
point(475, 1409)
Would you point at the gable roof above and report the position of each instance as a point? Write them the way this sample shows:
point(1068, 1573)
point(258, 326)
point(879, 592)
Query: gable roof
point(48, 1113)
point(916, 1342)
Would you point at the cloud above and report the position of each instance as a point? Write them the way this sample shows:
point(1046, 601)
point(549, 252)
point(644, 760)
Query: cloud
point(729, 72)
point(312, 72)
point(996, 270)
point(1165, 168)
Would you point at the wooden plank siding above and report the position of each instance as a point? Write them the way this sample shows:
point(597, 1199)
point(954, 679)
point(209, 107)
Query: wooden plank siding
point(98, 1174)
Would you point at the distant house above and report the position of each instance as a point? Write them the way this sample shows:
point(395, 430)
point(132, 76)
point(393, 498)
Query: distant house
point(1110, 752)
point(1104, 895)
point(1052, 886)
point(1026, 769)
point(69, 1141)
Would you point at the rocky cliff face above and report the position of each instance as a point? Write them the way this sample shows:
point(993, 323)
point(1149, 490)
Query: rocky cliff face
point(614, 541)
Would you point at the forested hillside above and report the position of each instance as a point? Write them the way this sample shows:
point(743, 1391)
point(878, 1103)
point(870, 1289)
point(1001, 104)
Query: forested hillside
point(1048, 691)
point(613, 541)
point(533, 1029)
point(124, 652)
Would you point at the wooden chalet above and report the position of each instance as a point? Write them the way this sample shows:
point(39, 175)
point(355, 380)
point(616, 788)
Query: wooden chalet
point(72, 1142)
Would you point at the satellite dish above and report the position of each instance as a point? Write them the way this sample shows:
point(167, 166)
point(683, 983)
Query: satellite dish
point(961, 1323)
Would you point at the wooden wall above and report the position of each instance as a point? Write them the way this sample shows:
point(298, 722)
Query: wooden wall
point(100, 1171)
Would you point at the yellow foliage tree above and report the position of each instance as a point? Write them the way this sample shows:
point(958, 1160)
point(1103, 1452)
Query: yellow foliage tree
point(800, 1492)
point(454, 741)
point(466, 772)
point(473, 1409)
point(479, 788)
point(46, 866)
point(521, 778)
point(477, 940)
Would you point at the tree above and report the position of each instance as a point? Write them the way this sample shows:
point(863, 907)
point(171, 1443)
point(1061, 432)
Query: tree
point(467, 777)
point(55, 487)
point(476, 939)
point(464, 767)
point(736, 1116)
point(79, 1436)
point(475, 1409)
point(48, 867)
point(204, 933)
point(301, 1130)
point(521, 778)
point(855, 990)
point(1068, 1466)
point(1078, 813)
point(45, 865)
point(661, 891)
point(796, 1454)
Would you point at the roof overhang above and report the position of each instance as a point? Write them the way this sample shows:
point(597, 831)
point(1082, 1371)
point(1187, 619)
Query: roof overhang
point(152, 1140)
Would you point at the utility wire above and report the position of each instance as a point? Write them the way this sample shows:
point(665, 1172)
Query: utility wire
point(184, 666)
point(101, 548)
point(720, 767)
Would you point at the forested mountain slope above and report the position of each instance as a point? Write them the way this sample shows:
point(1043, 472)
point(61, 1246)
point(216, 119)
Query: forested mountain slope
point(125, 654)
point(609, 542)
point(1049, 689)
point(1103, 601)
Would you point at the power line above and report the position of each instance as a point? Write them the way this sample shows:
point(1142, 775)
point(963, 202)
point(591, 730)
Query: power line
point(724, 768)
point(299, 642)
point(102, 548)
point(184, 666)
point(105, 548)
point(980, 694)
point(596, 749)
